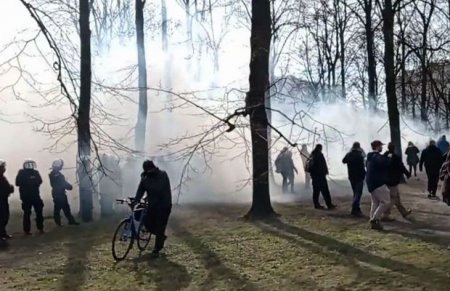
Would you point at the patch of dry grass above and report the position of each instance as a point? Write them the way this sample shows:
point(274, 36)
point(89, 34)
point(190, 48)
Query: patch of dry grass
point(211, 248)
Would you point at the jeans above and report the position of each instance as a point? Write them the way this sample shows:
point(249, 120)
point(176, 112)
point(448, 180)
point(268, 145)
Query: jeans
point(380, 202)
point(357, 187)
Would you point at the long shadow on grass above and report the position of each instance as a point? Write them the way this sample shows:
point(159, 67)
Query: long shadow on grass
point(211, 261)
point(168, 275)
point(320, 243)
point(81, 241)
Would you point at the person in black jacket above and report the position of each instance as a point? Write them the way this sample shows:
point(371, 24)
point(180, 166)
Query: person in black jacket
point(29, 180)
point(59, 187)
point(432, 159)
point(156, 184)
point(356, 174)
point(6, 189)
point(376, 180)
point(412, 157)
point(319, 170)
point(396, 171)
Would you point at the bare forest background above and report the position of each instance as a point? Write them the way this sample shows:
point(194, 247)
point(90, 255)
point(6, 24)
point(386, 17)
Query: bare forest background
point(212, 89)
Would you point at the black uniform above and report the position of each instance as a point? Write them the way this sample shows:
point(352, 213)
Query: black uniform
point(59, 187)
point(319, 172)
point(5, 190)
point(432, 159)
point(159, 198)
point(29, 181)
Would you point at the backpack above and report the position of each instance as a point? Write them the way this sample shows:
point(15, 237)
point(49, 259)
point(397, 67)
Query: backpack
point(309, 164)
point(278, 163)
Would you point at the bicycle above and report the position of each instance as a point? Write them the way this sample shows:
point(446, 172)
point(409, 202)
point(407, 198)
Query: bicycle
point(130, 229)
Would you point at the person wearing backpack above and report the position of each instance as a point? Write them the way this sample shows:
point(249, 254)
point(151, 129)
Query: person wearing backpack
point(285, 166)
point(356, 174)
point(304, 154)
point(318, 169)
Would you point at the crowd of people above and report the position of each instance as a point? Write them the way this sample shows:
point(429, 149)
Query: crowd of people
point(381, 172)
point(153, 182)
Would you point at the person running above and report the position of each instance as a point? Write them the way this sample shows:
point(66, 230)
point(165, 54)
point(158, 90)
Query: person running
point(432, 159)
point(396, 171)
point(356, 174)
point(412, 157)
point(317, 167)
point(376, 180)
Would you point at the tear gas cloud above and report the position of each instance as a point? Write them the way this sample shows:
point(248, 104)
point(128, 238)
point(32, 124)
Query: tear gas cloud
point(219, 171)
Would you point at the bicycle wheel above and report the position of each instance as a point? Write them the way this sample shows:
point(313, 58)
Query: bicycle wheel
point(143, 237)
point(122, 240)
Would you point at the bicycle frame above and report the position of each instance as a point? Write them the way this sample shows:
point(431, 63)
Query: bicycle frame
point(132, 225)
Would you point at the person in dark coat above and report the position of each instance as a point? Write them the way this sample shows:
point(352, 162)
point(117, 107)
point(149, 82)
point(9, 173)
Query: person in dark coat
point(412, 158)
point(285, 166)
point(156, 184)
point(6, 190)
point(376, 180)
point(396, 171)
point(319, 170)
point(59, 187)
point(29, 180)
point(432, 159)
point(443, 144)
point(356, 174)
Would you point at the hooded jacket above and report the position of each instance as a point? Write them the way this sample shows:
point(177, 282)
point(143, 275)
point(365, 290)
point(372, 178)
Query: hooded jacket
point(319, 164)
point(432, 159)
point(443, 145)
point(157, 186)
point(377, 171)
point(396, 169)
point(355, 165)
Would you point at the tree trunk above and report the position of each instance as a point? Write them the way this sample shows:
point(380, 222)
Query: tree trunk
point(389, 66)
point(142, 83)
point(165, 42)
point(423, 95)
point(83, 121)
point(255, 104)
point(402, 64)
point(372, 69)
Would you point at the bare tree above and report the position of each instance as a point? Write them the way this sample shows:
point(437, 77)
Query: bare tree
point(142, 69)
point(255, 106)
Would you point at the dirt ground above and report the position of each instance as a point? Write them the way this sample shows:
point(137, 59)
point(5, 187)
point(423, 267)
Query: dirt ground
point(211, 247)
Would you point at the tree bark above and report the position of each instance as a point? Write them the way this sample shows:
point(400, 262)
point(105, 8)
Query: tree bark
point(372, 69)
point(165, 42)
point(142, 82)
point(389, 66)
point(83, 120)
point(255, 104)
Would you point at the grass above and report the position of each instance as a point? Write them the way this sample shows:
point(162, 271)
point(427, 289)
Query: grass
point(211, 248)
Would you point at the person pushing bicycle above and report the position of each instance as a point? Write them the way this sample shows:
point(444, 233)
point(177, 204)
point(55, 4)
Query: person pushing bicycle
point(156, 184)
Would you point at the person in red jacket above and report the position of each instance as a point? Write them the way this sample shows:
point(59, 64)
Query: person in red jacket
point(6, 190)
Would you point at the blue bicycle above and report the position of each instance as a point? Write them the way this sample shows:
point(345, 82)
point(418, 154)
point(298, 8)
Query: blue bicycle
point(130, 229)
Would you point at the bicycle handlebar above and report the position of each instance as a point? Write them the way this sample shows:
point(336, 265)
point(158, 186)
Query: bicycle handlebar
point(130, 201)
